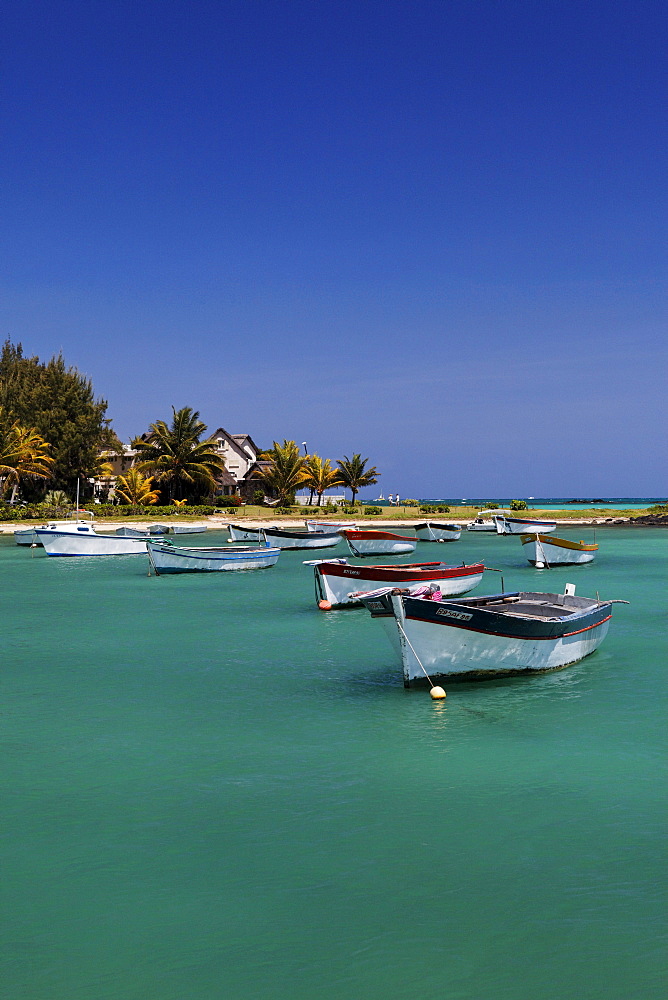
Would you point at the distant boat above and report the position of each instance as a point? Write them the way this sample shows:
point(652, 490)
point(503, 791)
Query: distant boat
point(240, 533)
point(474, 638)
point(369, 542)
point(329, 525)
point(165, 557)
point(288, 538)
point(177, 529)
point(337, 581)
point(484, 520)
point(506, 525)
point(437, 531)
point(79, 539)
point(544, 552)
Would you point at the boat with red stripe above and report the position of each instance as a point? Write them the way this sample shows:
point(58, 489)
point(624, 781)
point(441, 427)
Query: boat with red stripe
point(335, 579)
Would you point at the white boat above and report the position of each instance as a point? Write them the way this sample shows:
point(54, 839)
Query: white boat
point(165, 557)
point(177, 529)
point(484, 520)
point(240, 533)
point(329, 525)
point(76, 539)
point(506, 525)
point(28, 536)
point(337, 581)
point(288, 538)
point(372, 542)
point(473, 638)
point(437, 531)
point(544, 552)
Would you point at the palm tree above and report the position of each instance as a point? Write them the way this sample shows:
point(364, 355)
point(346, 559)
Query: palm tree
point(320, 475)
point(286, 472)
point(23, 454)
point(136, 489)
point(176, 456)
point(351, 472)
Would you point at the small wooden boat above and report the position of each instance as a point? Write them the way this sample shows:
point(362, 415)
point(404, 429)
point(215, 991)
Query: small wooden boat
point(484, 520)
point(472, 638)
point(26, 536)
point(288, 538)
point(506, 525)
point(177, 529)
point(544, 552)
point(79, 539)
point(329, 525)
point(437, 531)
point(371, 542)
point(162, 529)
point(240, 533)
point(336, 580)
point(165, 557)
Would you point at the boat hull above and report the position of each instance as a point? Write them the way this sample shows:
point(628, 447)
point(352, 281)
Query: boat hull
point(26, 536)
point(541, 551)
point(437, 531)
point(67, 544)
point(328, 525)
point(177, 529)
point(520, 526)
point(240, 533)
point(336, 581)
point(456, 639)
point(290, 539)
point(181, 559)
point(377, 543)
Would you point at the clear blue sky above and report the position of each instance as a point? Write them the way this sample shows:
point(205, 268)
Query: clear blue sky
point(430, 232)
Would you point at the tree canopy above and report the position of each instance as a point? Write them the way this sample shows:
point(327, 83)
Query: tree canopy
point(286, 473)
point(59, 404)
point(24, 454)
point(319, 475)
point(354, 474)
point(176, 456)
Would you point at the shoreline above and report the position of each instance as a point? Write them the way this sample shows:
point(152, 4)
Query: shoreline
point(214, 522)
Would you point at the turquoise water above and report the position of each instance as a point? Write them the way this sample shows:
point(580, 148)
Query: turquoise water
point(212, 790)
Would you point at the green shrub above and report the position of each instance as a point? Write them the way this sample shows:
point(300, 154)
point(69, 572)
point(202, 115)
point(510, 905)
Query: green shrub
point(229, 501)
point(435, 509)
point(491, 506)
point(518, 505)
point(373, 510)
point(410, 503)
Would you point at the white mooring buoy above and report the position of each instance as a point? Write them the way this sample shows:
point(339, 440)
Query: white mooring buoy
point(437, 693)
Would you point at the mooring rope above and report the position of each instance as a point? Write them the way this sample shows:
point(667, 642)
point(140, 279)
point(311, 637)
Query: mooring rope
point(414, 653)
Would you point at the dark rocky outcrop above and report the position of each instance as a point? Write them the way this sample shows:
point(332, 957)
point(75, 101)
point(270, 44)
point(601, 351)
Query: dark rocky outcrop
point(660, 520)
